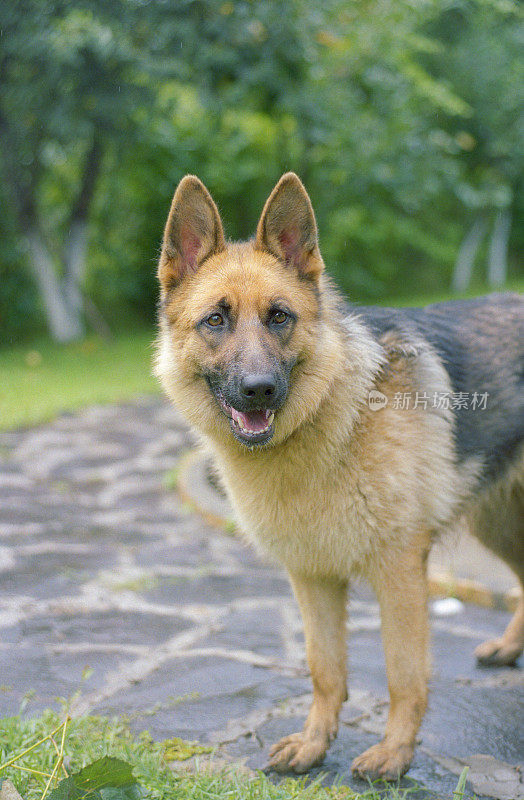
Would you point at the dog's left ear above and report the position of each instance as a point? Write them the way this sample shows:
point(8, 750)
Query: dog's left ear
point(288, 229)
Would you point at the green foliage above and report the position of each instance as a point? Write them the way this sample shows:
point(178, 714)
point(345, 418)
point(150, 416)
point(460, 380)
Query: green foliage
point(107, 778)
point(401, 117)
point(483, 45)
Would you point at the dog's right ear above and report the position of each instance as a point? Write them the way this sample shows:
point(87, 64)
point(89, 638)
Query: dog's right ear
point(287, 227)
point(193, 232)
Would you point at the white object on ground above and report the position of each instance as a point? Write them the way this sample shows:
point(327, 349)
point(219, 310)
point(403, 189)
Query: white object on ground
point(447, 607)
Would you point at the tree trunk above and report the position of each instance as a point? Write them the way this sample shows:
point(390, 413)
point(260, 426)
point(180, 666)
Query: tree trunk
point(75, 263)
point(467, 254)
point(61, 296)
point(498, 249)
point(76, 244)
point(65, 323)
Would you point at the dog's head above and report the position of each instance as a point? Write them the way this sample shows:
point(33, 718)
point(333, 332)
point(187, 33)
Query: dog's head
point(241, 323)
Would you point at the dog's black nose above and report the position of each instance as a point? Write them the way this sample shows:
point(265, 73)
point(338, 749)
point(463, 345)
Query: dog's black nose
point(258, 387)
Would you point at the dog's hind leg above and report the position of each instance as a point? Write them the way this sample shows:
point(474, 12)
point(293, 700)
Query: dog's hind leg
point(498, 521)
point(505, 650)
point(401, 586)
point(323, 606)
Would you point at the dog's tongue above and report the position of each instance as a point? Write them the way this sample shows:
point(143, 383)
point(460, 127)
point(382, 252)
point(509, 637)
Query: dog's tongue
point(253, 421)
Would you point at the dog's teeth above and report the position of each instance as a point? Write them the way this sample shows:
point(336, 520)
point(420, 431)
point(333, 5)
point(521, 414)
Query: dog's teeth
point(240, 422)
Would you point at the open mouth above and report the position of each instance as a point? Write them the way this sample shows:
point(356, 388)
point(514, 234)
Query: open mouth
point(251, 427)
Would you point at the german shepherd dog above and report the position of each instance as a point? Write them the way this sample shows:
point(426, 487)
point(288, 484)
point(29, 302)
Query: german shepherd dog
point(280, 379)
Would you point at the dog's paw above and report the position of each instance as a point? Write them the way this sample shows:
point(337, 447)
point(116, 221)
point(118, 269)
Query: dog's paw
point(498, 653)
point(297, 753)
point(383, 761)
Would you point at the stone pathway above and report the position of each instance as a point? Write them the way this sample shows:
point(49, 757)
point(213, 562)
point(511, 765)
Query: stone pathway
point(114, 591)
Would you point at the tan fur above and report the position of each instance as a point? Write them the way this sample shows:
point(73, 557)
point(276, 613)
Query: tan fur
point(322, 603)
point(340, 490)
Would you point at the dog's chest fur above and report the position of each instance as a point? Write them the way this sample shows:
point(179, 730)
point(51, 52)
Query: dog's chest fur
point(328, 505)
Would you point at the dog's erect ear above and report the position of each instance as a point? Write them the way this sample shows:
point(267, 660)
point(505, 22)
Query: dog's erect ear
point(287, 227)
point(193, 232)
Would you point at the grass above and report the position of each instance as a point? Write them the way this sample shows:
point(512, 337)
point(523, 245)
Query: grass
point(90, 738)
point(43, 379)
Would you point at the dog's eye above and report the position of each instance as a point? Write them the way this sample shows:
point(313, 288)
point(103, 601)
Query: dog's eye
point(279, 317)
point(215, 320)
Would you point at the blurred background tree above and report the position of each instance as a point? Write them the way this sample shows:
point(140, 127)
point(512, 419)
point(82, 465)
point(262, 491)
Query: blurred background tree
point(403, 118)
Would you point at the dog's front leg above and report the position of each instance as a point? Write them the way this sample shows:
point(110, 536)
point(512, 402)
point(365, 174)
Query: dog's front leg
point(323, 606)
point(401, 586)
